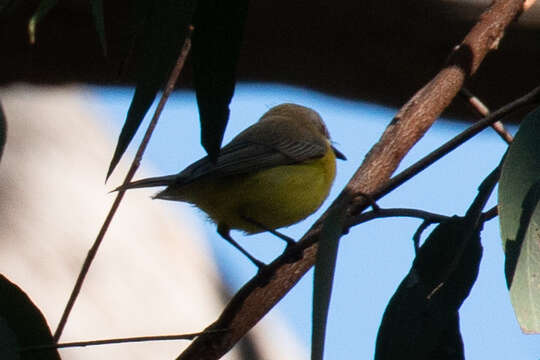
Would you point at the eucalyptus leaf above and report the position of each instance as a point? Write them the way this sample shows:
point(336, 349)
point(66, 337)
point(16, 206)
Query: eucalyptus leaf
point(5, 4)
point(323, 280)
point(421, 320)
point(97, 11)
point(219, 27)
point(21, 318)
point(519, 216)
point(43, 9)
point(162, 31)
point(3, 131)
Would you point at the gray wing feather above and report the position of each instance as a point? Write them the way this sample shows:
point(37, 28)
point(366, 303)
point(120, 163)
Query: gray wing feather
point(245, 157)
point(258, 147)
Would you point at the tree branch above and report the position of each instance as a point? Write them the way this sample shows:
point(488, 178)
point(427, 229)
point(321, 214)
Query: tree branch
point(483, 111)
point(533, 97)
point(256, 298)
point(395, 212)
point(132, 170)
point(111, 341)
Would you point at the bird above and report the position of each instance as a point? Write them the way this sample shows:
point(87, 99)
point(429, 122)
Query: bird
point(273, 174)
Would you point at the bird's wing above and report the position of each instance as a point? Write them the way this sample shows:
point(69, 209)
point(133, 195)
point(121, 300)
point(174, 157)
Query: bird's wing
point(240, 157)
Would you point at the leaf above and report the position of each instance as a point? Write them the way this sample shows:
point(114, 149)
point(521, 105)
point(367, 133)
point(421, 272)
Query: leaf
point(24, 319)
point(325, 266)
point(217, 37)
point(421, 320)
point(5, 4)
point(519, 216)
point(3, 131)
point(9, 349)
point(44, 7)
point(161, 36)
point(97, 11)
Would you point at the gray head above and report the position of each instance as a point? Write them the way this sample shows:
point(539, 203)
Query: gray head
point(310, 116)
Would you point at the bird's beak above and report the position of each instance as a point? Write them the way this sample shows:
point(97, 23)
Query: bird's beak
point(338, 153)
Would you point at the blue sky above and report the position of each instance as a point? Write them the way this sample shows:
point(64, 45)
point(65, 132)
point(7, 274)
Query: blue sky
point(374, 257)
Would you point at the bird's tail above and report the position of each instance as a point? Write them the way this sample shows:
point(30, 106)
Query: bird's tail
point(148, 182)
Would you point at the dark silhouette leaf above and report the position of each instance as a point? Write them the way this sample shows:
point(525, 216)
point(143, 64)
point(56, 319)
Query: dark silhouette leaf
point(9, 348)
point(217, 38)
point(5, 4)
point(421, 320)
point(3, 131)
point(26, 322)
point(162, 31)
point(44, 7)
point(519, 216)
point(97, 11)
point(323, 279)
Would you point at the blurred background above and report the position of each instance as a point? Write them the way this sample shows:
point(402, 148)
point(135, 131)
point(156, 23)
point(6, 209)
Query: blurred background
point(354, 62)
point(380, 51)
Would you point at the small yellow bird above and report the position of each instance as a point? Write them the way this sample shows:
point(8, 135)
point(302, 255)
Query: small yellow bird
point(273, 174)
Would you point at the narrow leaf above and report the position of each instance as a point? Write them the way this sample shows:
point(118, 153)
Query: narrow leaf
point(9, 348)
point(3, 131)
point(5, 4)
point(325, 266)
point(97, 11)
point(161, 36)
point(519, 216)
point(25, 320)
point(421, 320)
point(44, 7)
point(217, 37)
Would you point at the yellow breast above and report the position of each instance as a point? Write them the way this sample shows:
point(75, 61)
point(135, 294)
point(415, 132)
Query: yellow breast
point(275, 197)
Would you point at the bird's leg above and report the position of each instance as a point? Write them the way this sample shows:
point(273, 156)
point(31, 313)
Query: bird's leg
point(290, 241)
point(296, 254)
point(224, 232)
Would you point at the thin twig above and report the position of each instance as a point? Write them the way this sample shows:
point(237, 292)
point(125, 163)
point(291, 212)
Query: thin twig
point(395, 212)
point(483, 111)
point(490, 214)
point(418, 234)
point(134, 166)
point(531, 98)
point(499, 128)
point(113, 341)
point(428, 217)
point(471, 225)
point(527, 4)
point(474, 102)
point(255, 299)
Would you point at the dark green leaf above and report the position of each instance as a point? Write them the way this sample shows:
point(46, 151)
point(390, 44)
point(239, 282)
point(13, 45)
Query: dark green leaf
point(9, 348)
point(3, 130)
point(450, 346)
point(325, 266)
point(217, 38)
point(26, 321)
point(163, 28)
point(519, 216)
point(421, 319)
point(5, 4)
point(44, 7)
point(97, 11)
